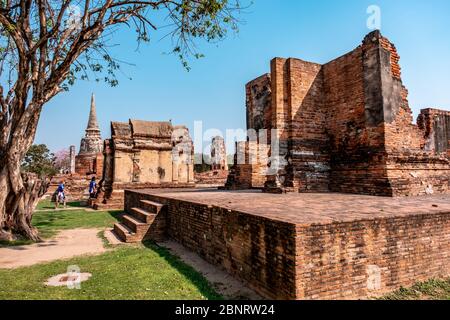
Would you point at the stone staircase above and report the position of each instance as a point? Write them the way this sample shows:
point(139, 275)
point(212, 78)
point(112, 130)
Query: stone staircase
point(146, 222)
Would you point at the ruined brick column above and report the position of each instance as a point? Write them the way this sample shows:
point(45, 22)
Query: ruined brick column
point(218, 154)
point(72, 159)
point(281, 175)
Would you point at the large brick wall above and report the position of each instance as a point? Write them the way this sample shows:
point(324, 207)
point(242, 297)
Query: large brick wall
point(354, 257)
point(346, 126)
point(371, 257)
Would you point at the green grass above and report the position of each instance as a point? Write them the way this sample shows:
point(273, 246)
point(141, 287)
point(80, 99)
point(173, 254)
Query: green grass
point(128, 272)
point(142, 271)
point(14, 243)
point(50, 222)
point(49, 205)
point(429, 290)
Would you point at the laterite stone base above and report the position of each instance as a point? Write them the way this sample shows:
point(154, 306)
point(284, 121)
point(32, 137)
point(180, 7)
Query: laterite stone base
point(309, 246)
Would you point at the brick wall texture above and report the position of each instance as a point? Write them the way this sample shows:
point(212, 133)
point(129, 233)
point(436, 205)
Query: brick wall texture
point(346, 126)
point(89, 164)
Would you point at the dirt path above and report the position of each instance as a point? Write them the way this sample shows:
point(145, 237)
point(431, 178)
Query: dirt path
point(67, 244)
point(222, 282)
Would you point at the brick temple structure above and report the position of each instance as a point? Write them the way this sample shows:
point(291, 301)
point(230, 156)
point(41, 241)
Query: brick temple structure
point(89, 160)
point(145, 154)
point(344, 126)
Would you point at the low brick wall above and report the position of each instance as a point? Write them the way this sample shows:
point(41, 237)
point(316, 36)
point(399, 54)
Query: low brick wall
point(259, 251)
point(284, 260)
point(369, 258)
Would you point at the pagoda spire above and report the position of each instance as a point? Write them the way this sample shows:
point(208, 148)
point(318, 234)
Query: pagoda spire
point(92, 123)
point(92, 142)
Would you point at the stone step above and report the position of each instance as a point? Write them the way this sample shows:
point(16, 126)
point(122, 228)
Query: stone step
point(143, 215)
point(151, 206)
point(136, 225)
point(124, 233)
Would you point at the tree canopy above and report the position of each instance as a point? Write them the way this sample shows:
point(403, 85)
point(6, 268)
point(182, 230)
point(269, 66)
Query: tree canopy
point(39, 160)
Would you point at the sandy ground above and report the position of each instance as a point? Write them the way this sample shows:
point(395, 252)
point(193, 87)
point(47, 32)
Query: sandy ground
point(222, 282)
point(112, 237)
point(67, 244)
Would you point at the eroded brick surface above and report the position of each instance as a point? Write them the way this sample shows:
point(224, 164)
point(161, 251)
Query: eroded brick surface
point(346, 126)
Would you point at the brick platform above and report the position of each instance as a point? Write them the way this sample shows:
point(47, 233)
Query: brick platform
point(311, 246)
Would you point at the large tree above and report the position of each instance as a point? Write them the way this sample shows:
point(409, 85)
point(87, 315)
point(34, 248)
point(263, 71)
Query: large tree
point(46, 45)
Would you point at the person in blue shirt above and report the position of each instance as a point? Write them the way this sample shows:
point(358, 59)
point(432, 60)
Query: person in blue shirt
point(92, 188)
point(60, 195)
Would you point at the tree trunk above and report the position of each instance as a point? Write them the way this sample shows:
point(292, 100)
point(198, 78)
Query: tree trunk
point(16, 208)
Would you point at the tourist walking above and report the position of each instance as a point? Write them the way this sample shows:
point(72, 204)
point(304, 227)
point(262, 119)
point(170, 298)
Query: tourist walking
point(92, 188)
point(60, 195)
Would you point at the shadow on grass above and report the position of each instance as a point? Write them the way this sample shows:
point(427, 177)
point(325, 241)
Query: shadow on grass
point(187, 271)
point(4, 243)
point(116, 214)
point(49, 205)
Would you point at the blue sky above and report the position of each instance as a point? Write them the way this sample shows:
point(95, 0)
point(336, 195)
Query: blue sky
point(213, 91)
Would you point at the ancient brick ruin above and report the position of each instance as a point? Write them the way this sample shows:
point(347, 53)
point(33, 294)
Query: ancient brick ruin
point(250, 166)
point(89, 160)
point(145, 154)
point(344, 126)
point(218, 154)
point(87, 164)
point(218, 173)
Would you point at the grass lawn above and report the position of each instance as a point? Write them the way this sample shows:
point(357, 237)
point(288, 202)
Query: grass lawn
point(430, 290)
point(48, 205)
point(50, 222)
point(127, 272)
point(142, 271)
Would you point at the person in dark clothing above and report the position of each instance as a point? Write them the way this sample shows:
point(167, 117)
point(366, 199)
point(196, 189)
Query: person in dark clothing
point(92, 188)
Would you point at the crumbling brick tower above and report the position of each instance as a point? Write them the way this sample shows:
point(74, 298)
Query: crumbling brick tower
point(346, 126)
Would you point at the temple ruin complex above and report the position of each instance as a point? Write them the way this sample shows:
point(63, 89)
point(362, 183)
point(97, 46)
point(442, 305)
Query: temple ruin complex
point(344, 126)
point(345, 135)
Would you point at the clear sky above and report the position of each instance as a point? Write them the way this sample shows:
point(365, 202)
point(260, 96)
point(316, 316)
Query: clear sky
point(213, 91)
